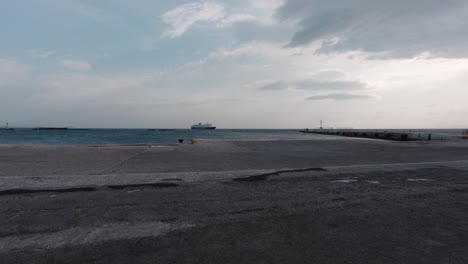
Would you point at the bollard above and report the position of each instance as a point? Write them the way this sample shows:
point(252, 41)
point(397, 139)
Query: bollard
point(429, 137)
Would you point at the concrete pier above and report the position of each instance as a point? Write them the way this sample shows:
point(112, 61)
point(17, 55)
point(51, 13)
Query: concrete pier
point(404, 135)
point(343, 200)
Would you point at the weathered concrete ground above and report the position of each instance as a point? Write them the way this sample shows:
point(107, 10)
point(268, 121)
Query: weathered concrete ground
point(17, 160)
point(331, 212)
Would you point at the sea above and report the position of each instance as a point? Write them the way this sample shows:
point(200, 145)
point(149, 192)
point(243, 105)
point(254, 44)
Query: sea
point(143, 136)
point(163, 136)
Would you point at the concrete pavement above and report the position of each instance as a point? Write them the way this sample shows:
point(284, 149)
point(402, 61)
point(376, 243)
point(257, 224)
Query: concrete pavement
point(347, 201)
point(218, 156)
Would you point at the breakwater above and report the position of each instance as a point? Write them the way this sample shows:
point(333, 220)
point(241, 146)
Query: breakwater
point(385, 134)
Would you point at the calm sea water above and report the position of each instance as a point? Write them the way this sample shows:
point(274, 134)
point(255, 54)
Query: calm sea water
point(145, 136)
point(142, 136)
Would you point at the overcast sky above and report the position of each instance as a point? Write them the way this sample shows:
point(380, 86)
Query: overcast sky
point(236, 64)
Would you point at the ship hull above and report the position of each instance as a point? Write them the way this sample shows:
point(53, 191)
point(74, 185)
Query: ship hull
point(203, 128)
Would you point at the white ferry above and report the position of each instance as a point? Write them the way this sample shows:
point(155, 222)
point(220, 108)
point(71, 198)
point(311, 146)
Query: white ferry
point(203, 126)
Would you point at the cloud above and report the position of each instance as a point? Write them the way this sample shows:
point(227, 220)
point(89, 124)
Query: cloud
point(329, 85)
point(253, 49)
point(340, 97)
point(329, 74)
point(77, 65)
point(316, 85)
point(390, 29)
point(280, 85)
point(237, 18)
point(324, 25)
point(35, 54)
point(181, 18)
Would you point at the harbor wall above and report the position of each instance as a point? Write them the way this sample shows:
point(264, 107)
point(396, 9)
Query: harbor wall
point(383, 134)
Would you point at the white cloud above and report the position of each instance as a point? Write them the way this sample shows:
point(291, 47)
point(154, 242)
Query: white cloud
point(316, 85)
point(254, 49)
point(181, 18)
point(35, 54)
point(341, 97)
point(77, 65)
point(237, 18)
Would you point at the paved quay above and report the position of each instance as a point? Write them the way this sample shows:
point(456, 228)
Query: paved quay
point(328, 201)
point(30, 160)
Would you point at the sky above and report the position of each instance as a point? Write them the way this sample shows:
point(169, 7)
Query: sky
point(236, 64)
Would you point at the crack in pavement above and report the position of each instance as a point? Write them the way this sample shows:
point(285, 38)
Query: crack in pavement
point(123, 161)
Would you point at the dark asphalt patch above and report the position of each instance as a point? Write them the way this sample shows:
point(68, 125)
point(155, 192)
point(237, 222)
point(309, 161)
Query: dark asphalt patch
point(172, 179)
point(85, 189)
point(26, 191)
point(157, 185)
point(260, 177)
point(263, 177)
